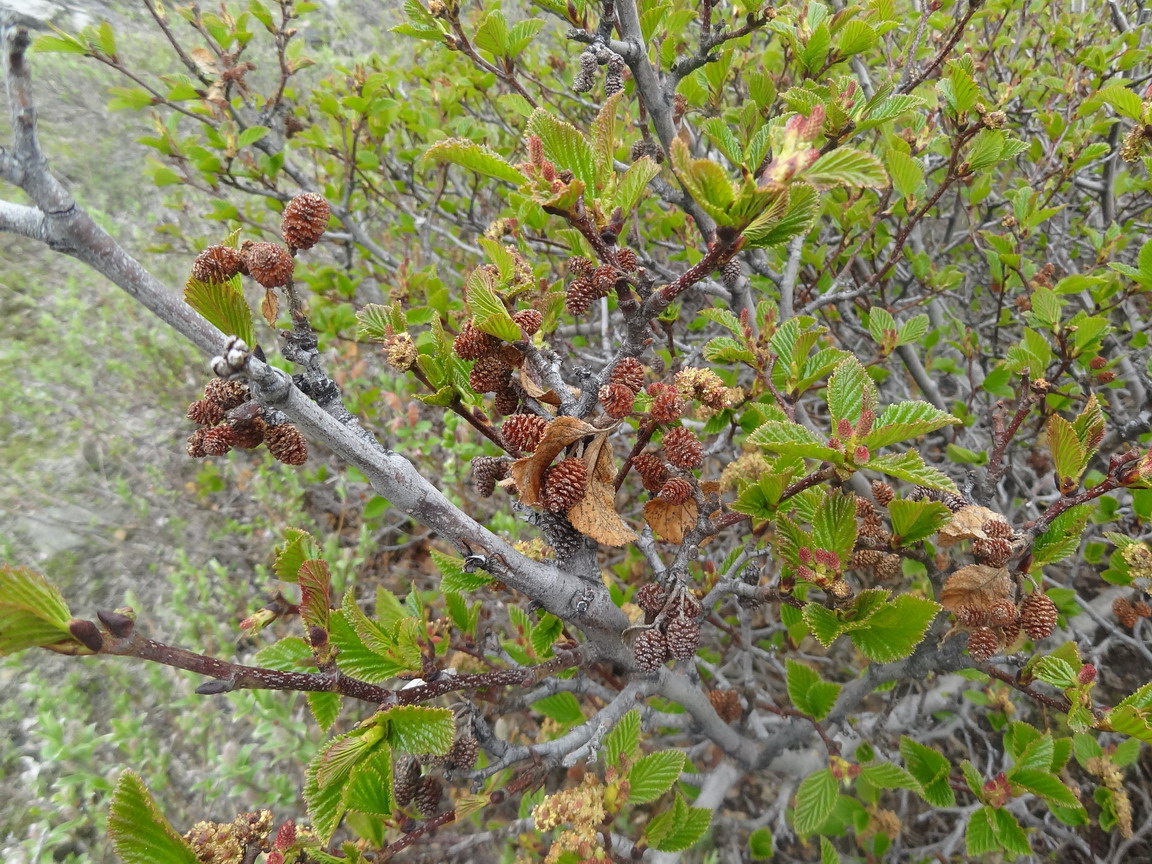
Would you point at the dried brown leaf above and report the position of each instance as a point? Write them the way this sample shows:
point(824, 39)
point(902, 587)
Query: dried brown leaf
point(976, 585)
point(534, 389)
point(528, 472)
point(595, 515)
point(270, 307)
point(671, 521)
point(967, 524)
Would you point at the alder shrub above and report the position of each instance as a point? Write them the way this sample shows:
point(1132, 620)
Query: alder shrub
point(801, 360)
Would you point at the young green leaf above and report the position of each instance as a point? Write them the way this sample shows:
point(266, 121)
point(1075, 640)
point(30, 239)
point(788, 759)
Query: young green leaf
point(912, 521)
point(32, 611)
point(846, 166)
point(931, 770)
point(888, 775)
point(910, 466)
point(418, 729)
point(224, 306)
point(565, 145)
point(622, 741)
point(315, 582)
point(903, 421)
point(369, 786)
point(815, 801)
point(139, 831)
point(653, 775)
point(894, 630)
point(679, 828)
point(850, 391)
point(474, 157)
point(792, 439)
point(808, 691)
point(299, 546)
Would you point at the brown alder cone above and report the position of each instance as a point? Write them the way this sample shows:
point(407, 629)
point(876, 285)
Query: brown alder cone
point(683, 635)
point(1038, 616)
point(579, 295)
point(270, 264)
point(650, 650)
point(1010, 631)
point(218, 440)
point(683, 449)
point(463, 753)
point(405, 779)
point(472, 343)
point(651, 598)
point(629, 372)
point(883, 493)
point(617, 400)
point(305, 220)
point(287, 444)
point(652, 470)
point(216, 264)
point(205, 412)
point(726, 703)
point(523, 431)
point(982, 643)
point(993, 552)
point(564, 485)
point(248, 434)
point(195, 444)
point(486, 471)
point(1002, 613)
point(604, 280)
point(627, 260)
point(731, 274)
point(1125, 613)
point(889, 567)
point(971, 616)
point(1142, 609)
point(529, 321)
point(491, 374)
point(667, 403)
point(227, 394)
point(507, 401)
point(580, 266)
point(865, 558)
point(677, 490)
point(428, 796)
point(998, 529)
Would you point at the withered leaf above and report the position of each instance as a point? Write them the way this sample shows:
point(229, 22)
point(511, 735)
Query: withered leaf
point(270, 307)
point(669, 520)
point(528, 472)
point(976, 585)
point(595, 515)
point(967, 524)
point(533, 388)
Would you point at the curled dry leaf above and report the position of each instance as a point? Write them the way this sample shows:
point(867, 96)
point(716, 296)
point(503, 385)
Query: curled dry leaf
point(596, 514)
point(976, 585)
point(529, 471)
point(670, 520)
point(534, 389)
point(270, 306)
point(967, 523)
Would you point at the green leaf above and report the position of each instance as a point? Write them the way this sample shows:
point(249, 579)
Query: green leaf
point(325, 803)
point(325, 708)
point(419, 729)
point(809, 692)
point(906, 173)
point(910, 466)
point(846, 166)
point(679, 828)
point(1124, 101)
point(721, 136)
point(299, 546)
point(474, 157)
point(315, 581)
point(834, 525)
point(826, 625)
point(959, 90)
point(62, 44)
point(1067, 451)
point(904, 421)
point(931, 770)
point(336, 759)
point(453, 576)
point(622, 741)
point(369, 787)
point(815, 801)
point(653, 775)
point(792, 439)
point(850, 391)
point(251, 135)
point(914, 520)
point(855, 36)
point(888, 775)
point(224, 306)
point(379, 322)
point(894, 630)
point(980, 836)
point(562, 707)
point(760, 844)
point(803, 205)
point(491, 315)
point(358, 661)
point(913, 330)
point(1044, 785)
point(32, 611)
point(139, 831)
point(1062, 537)
point(565, 145)
point(632, 183)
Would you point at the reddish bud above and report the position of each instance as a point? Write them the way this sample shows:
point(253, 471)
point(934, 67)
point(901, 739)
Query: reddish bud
point(1087, 674)
point(118, 624)
point(804, 554)
point(844, 428)
point(861, 455)
point(86, 634)
point(1098, 363)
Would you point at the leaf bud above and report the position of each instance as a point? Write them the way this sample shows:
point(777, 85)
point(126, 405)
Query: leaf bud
point(85, 632)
